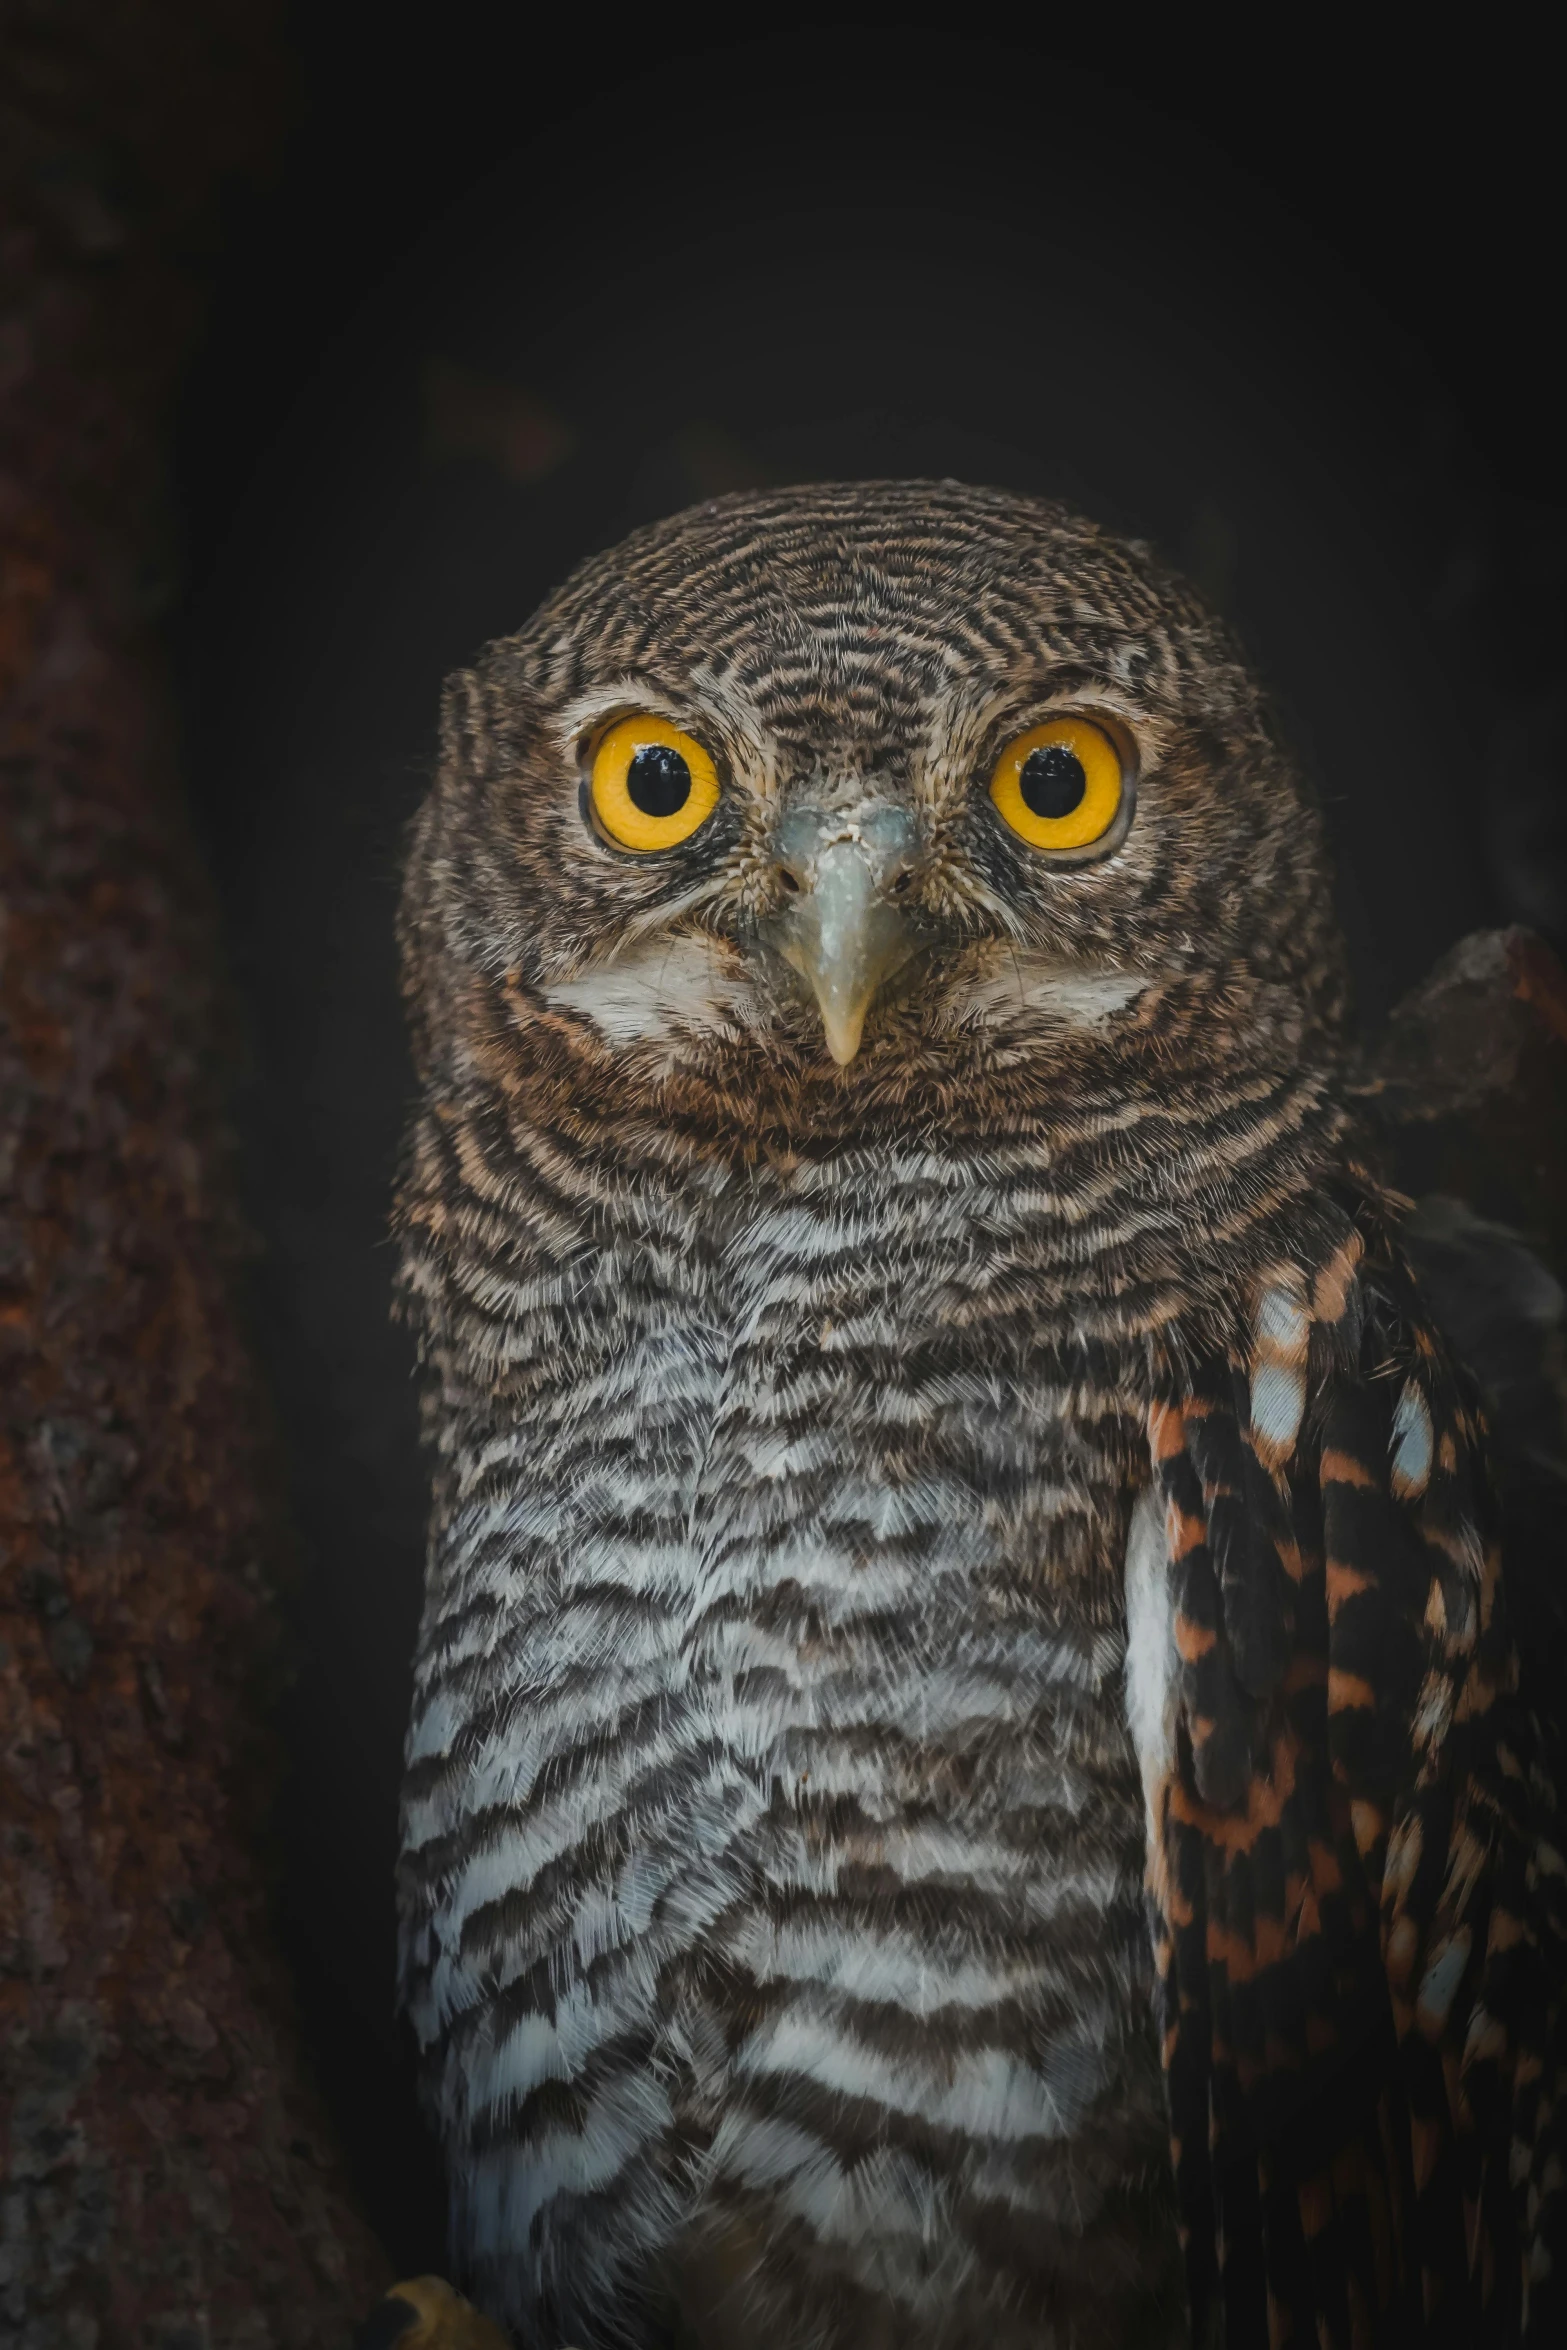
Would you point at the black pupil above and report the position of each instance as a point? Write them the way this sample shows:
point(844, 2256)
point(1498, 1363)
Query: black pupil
point(1052, 781)
point(658, 781)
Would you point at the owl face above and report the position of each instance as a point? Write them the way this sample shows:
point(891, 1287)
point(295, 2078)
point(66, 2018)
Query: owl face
point(828, 784)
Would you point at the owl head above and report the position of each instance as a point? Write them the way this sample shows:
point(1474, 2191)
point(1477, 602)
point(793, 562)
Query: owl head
point(831, 801)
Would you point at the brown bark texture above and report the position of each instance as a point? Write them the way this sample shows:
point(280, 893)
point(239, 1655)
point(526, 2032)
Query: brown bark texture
point(168, 2179)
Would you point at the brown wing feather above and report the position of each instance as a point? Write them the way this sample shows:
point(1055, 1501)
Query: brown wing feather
point(1359, 1905)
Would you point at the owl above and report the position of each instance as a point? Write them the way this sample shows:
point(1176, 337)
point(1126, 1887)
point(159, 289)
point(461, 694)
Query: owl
point(967, 1781)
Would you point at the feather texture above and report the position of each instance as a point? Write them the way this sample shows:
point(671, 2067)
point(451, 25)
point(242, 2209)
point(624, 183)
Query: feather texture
point(1360, 1959)
point(892, 1520)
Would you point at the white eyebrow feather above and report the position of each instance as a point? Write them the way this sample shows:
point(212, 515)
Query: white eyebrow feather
point(661, 984)
point(679, 982)
point(1029, 984)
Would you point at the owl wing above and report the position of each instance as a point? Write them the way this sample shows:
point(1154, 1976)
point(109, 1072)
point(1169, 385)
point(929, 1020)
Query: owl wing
point(1359, 1904)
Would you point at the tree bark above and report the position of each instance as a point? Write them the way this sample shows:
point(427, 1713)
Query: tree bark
point(168, 2178)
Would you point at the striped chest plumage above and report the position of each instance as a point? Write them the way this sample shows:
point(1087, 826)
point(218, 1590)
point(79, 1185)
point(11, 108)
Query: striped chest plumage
point(879, 1020)
point(769, 1759)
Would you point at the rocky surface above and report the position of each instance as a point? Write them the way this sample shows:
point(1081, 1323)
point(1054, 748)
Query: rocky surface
point(168, 2180)
point(1470, 1083)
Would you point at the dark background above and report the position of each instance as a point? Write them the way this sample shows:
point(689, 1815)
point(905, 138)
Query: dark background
point(518, 285)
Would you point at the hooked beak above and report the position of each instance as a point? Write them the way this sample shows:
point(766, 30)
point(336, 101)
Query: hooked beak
point(841, 928)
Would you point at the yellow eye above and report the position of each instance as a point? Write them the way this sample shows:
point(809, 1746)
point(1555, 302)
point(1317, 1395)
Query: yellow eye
point(652, 785)
point(1059, 786)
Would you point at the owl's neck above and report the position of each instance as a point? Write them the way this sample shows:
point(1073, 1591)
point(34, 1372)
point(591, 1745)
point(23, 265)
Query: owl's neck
point(1111, 1186)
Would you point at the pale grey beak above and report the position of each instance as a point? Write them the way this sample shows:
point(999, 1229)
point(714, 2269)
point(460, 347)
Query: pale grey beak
point(842, 928)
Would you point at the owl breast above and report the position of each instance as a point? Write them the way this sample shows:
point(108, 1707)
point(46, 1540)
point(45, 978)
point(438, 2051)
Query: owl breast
point(772, 1878)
